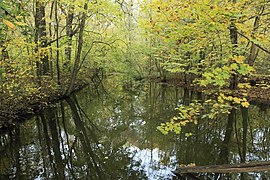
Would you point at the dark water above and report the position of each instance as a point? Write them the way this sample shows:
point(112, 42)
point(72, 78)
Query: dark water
point(112, 135)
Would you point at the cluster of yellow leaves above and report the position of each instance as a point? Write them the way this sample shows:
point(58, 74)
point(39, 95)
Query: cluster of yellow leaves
point(187, 114)
point(210, 109)
point(244, 85)
point(215, 108)
point(235, 100)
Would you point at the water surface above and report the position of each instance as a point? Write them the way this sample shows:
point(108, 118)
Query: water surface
point(111, 133)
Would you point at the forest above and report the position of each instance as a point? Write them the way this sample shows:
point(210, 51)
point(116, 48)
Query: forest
point(51, 50)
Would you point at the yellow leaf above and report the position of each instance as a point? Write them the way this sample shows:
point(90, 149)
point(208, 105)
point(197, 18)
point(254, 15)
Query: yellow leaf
point(239, 59)
point(20, 23)
point(230, 98)
point(245, 104)
point(183, 123)
point(236, 100)
point(216, 106)
point(191, 164)
point(19, 17)
point(9, 24)
point(220, 99)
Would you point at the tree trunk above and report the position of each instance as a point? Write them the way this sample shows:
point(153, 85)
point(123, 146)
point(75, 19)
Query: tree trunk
point(234, 41)
point(69, 33)
point(57, 42)
point(254, 49)
point(76, 66)
point(41, 40)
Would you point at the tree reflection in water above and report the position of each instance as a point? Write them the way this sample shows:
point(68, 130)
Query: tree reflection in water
point(113, 136)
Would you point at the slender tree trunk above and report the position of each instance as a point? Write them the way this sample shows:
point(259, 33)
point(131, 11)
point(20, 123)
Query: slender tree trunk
point(41, 39)
point(51, 37)
point(234, 38)
point(57, 41)
point(254, 49)
point(79, 51)
point(150, 42)
point(69, 33)
point(234, 41)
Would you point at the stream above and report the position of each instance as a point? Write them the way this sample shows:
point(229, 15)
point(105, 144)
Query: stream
point(111, 133)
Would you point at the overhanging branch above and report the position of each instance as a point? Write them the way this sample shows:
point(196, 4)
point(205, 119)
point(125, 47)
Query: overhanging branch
point(97, 42)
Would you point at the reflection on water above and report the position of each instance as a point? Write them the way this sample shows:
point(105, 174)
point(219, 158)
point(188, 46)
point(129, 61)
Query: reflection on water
point(112, 135)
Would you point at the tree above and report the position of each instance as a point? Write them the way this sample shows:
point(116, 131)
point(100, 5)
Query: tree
point(79, 50)
point(41, 39)
point(70, 34)
point(205, 40)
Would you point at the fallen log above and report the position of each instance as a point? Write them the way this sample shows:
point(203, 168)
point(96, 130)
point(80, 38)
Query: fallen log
point(227, 168)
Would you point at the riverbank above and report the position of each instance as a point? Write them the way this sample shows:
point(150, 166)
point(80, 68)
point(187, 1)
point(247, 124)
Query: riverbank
point(257, 94)
point(16, 109)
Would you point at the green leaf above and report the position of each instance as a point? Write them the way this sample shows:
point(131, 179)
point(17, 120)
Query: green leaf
point(245, 69)
point(234, 66)
point(220, 82)
point(224, 75)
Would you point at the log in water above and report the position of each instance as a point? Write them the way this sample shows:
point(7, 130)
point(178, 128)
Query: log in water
point(227, 168)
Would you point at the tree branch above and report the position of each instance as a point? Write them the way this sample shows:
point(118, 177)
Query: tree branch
point(60, 37)
point(8, 13)
point(260, 47)
point(98, 42)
